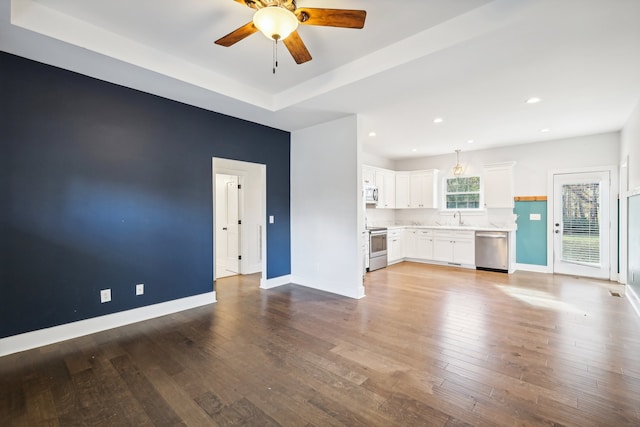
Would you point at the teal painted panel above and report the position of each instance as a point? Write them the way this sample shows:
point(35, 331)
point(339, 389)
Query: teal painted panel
point(531, 238)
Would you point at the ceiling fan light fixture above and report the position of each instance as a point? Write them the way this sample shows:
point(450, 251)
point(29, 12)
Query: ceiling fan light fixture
point(275, 22)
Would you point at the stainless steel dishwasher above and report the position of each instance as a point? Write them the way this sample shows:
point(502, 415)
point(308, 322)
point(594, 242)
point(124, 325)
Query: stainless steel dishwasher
point(492, 250)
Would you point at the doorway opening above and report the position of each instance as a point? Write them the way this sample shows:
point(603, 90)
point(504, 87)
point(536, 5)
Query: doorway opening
point(239, 213)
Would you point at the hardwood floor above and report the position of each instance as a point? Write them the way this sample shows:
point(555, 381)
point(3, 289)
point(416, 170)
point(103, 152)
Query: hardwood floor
point(428, 346)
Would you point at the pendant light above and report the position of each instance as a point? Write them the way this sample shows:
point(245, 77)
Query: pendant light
point(457, 169)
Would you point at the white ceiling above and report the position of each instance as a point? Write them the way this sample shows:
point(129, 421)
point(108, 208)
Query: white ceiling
point(472, 62)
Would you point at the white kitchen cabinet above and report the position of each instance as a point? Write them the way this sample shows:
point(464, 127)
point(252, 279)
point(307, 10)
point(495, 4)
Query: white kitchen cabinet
point(454, 246)
point(368, 175)
point(424, 246)
point(418, 244)
point(411, 243)
point(395, 247)
point(386, 183)
point(423, 189)
point(498, 185)
point(403, 190)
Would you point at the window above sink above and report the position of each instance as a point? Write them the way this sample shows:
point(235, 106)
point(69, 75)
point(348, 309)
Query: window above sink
point(462, 193)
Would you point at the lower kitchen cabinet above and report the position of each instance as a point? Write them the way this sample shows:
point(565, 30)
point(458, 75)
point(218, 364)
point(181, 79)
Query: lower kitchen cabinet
point(440, 246)
point(395, 247)
point(424, 245)
point(454, 246)
point(410, 242)
point(418, 244)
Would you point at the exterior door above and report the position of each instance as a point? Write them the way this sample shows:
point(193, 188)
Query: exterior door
point(227, 227)
point(581, 224)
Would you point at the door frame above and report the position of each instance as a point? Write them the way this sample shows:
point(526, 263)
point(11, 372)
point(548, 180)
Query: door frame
point(241, 169)
point(613, 213)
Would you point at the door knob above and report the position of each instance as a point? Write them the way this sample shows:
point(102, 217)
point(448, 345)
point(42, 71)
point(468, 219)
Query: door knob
point(557, 231)
point(224, 228)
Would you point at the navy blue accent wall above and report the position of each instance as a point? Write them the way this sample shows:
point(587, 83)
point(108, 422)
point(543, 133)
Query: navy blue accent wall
point(104, 187)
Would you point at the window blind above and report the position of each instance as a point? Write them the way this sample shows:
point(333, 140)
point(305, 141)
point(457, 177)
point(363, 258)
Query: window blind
point(581, 223)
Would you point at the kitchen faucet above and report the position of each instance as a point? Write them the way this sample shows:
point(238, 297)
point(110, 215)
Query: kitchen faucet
point(459, 217)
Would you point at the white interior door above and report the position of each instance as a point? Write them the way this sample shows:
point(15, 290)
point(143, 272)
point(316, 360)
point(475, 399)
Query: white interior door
point(227, 226)
point(581, 224)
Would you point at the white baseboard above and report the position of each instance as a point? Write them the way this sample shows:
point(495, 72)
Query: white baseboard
point(533, 268)
point(633, 298)
point(39, 338)
point(358, 294)
point(275, 282)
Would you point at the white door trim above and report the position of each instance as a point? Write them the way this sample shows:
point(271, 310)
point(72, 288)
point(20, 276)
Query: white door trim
point(624, 188)
point(237, 167)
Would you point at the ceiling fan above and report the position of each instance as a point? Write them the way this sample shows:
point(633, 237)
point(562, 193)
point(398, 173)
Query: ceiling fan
point(279, 19)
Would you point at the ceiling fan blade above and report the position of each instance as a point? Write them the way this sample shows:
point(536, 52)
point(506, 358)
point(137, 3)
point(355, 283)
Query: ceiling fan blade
point(249, 3)
point(297, 48)
point(344, 18)
point(235, 36)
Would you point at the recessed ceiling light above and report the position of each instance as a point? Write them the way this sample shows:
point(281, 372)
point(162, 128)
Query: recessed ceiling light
point(438, 120)
point(533, 100)
point(372, 134)
point(545, 130)
point(413, 150)
point(471, 141)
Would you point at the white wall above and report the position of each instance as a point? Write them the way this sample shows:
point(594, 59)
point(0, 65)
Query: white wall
point(326, 207)
point(630, 147)
point(630, 181)
point(533, 161)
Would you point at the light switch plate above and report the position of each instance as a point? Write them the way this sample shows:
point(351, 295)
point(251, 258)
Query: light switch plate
point(535, 217)
point(271, 219)
point(140, 289)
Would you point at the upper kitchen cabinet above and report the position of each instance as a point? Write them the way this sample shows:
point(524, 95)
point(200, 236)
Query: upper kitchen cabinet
point(498, 185)
point(386, 183)
point(368, 175)
point(424, 189)
point(403, 190)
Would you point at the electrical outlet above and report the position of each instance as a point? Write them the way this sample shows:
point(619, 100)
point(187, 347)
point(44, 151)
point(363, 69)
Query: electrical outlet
point(105, 295)
point(140, 289)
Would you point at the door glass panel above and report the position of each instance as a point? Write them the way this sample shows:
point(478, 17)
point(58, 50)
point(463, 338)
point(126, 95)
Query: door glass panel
point(581, 223)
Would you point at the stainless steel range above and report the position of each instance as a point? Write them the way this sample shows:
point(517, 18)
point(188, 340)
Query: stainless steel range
point(377, 248)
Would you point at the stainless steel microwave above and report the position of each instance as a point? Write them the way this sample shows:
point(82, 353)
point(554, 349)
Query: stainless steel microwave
point(371, 194)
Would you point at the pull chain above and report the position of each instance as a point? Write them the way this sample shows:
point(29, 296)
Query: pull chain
point(275, 55)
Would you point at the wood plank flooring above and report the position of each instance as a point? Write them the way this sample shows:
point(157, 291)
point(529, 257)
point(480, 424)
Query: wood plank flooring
point(428, 346)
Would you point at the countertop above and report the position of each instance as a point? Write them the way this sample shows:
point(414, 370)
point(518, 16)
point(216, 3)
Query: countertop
point(455, 227)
